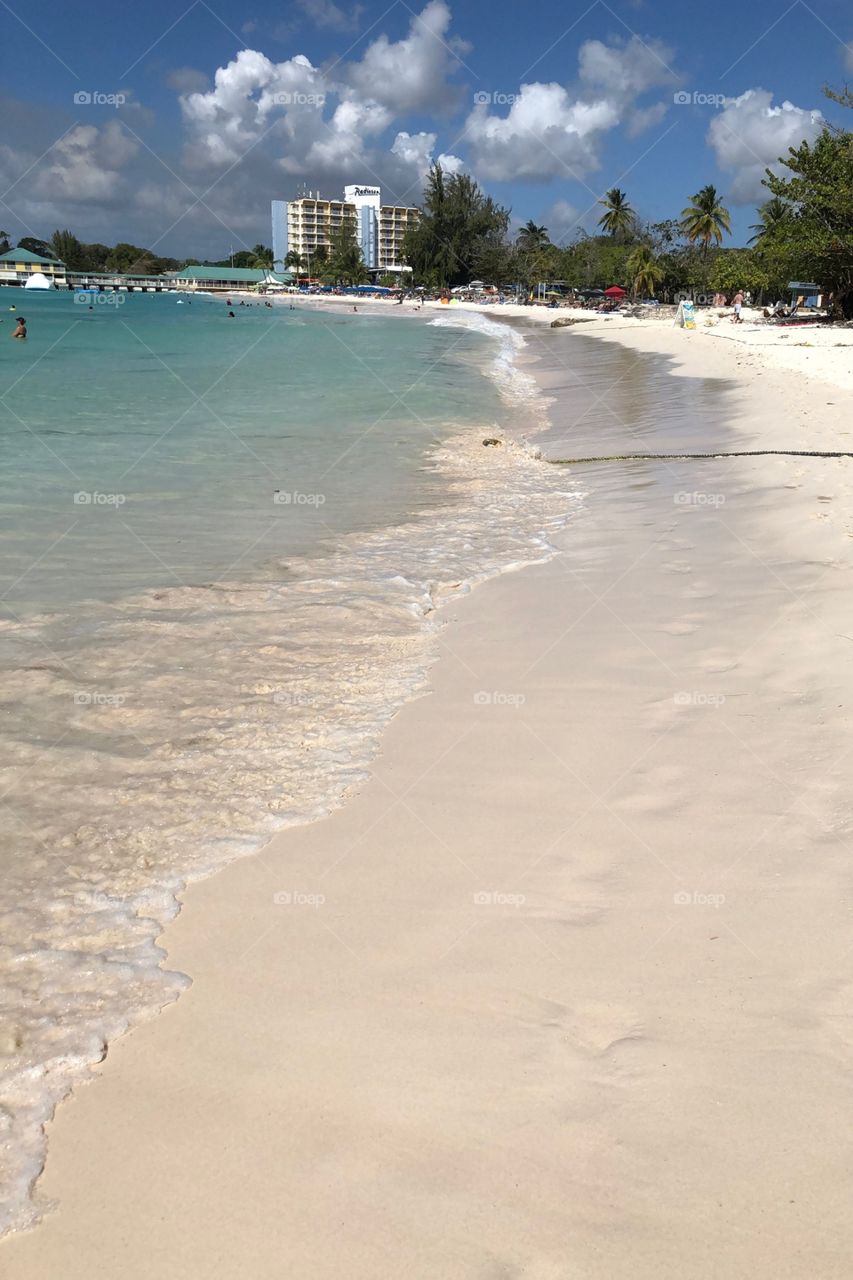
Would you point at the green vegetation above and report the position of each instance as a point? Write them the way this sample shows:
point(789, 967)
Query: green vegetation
point(706, 219)
point(619, 218)
point(815, 242)
point(774, 215)
point(461, 233)
point(344, 264)
point(127, 259)
point(644, 271)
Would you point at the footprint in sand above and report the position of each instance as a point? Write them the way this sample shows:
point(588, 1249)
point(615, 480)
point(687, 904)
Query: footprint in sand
point(681, 627)
point(677, 566)
point(715, 663)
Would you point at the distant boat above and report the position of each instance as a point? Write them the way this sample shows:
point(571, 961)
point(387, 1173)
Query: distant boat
point(38, 281)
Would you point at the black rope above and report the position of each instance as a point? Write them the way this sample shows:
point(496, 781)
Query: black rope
point(686, 457)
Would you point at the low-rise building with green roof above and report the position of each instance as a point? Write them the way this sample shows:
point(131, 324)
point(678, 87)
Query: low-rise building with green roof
point(17, 265)
point(228, 277)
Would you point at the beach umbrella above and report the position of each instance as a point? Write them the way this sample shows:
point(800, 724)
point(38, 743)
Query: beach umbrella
point(615, 291)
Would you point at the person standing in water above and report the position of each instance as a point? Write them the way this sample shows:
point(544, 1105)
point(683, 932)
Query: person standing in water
point(20, 330)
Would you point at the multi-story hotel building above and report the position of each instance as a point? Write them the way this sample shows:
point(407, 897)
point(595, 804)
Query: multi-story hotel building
point(303, 226)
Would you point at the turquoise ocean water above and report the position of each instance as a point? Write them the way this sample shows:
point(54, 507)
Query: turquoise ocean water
point(224, 541)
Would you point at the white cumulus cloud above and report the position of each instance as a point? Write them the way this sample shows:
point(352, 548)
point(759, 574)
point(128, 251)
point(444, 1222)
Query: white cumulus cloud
point(750, 134)
point(411, 74)
point(553, 131)
point(86, 164)
point(417, 152)
point(545, 134)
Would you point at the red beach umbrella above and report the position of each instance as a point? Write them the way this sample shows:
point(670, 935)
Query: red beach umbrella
point(615, 291)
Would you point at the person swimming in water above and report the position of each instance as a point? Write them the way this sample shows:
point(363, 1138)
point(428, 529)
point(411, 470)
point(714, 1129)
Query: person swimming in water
point(20, 330)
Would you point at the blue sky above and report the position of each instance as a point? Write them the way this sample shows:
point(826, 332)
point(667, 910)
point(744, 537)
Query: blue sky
point(203, 113)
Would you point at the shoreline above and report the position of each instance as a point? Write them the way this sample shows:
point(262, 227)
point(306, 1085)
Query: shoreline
point(822, 352)
point(406, 1079)
point(303, 737)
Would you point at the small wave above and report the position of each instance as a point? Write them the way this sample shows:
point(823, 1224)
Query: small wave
point(190, 724)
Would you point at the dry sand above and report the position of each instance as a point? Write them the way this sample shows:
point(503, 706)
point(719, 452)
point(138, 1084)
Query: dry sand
point(565, 990)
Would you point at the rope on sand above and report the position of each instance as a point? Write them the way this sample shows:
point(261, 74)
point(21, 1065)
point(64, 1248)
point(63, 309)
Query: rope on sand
point(686, 457)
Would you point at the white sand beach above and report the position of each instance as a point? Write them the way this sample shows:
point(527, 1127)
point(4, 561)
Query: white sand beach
point(564, 990)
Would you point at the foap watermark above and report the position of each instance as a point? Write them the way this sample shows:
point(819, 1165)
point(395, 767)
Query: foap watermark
point(698, 699)
point(497, 698)
point(696, 499)
point(684, 98)
point(286, 698)
point(96, 499)
point(296, 898)
point(490, 898)
point(113, 299)
point(293, 98)
point(97, 98)
point(93, 698)
point(697, 899)
point(484, 99)
point(292, 498)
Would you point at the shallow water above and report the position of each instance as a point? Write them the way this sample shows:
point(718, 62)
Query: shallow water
point(191, 660)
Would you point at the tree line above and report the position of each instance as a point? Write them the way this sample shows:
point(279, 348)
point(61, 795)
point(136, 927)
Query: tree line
point(804, 231)
point(126, 259)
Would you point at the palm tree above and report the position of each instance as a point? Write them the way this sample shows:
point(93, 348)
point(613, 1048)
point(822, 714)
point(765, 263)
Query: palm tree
point(619, 216)
point(706, 219)
point(261, 258)
point(295, 261)
point(644, 270)
point(532, 238)
point(774, 215)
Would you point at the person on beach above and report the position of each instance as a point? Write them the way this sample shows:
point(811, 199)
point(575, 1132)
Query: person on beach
point(737, 318)
point(20, 330)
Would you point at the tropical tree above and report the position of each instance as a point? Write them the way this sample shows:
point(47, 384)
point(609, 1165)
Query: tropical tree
point(262, 258)
point(750, 269)
point(818, 240)
point(618, 218)
point(532, 239)
point(496, 262)
point(458, 223)
point(592, 261)
point(706, 219)
point(644, 270)
point(41, 247)
point(345, 265)
point(69, 250)
point(534, 257)
point(774, 215)
point(4, 241)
